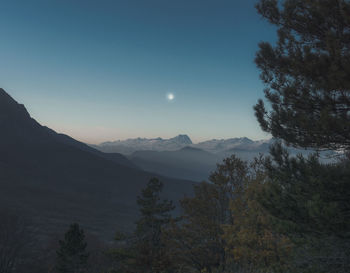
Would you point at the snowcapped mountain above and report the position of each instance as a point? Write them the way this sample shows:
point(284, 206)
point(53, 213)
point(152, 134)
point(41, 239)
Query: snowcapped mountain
point(130, 146)
point(215, 146)
point(178, 157)
point(223, 145)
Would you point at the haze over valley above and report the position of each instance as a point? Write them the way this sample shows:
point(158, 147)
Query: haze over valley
point(179, 157)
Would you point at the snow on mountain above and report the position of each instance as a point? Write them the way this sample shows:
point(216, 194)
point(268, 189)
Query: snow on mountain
point(130, 146)
point(221, 145)
point(216, 146)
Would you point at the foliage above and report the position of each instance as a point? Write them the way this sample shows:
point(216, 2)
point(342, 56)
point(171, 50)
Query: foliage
point(311, 195)
point(195, 242)
point(145, 250)
point(202, 239)
point(251, 239)
point(312, 205)
point(307, 73)
point(71, 255)
point(155, 214)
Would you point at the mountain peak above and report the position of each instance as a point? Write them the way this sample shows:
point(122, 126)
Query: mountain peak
point(5, 97)
point(183, 139)
point(10, 107)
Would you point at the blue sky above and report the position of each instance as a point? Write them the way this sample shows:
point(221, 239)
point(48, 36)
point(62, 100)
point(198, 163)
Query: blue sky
point(100, 70)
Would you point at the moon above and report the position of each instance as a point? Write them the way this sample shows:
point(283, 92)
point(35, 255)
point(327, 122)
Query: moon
point(170, 96)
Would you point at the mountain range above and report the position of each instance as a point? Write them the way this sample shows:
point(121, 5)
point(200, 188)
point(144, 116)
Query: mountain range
point(56, 180)
point(144, 144)
point(132, 145)
point(179, 157)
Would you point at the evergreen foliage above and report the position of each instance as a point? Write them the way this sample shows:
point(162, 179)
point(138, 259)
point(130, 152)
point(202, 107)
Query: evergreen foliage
point(307, 76)
point(155, 214)
point(72, 256)
point(145, 250)
point(223, 226)
point(252, 241)
point(311, 204)
point(195, 242)
point(307, 73)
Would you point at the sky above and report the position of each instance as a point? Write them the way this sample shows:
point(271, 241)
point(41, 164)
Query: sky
point(101, 70)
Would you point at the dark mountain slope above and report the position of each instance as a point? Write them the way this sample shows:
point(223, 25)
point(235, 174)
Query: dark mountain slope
point(187, 163)
point(116, 157)
point(56, 179)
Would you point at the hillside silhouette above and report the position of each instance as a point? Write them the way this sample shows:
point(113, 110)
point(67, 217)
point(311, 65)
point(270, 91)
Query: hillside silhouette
point(57, 180)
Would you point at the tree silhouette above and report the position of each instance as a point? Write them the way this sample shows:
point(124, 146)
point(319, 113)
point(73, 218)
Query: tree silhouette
point(155, 214)
point(307, 73)
point(72, 256)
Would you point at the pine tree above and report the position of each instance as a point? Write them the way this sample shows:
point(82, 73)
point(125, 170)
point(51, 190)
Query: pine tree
point(311, 203)
point(197, 241)
point(144, 250)
point(307, 73)
point(251, 239)
point(155, 215)
point(72, 256)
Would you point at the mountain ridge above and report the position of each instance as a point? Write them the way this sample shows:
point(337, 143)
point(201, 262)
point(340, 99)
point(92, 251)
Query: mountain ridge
point(57, 180)
point(131, 145)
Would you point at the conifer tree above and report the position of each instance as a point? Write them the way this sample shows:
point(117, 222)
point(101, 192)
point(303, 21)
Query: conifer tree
point(311, 202)
point(307, 73)
point(251, 239)
point(72, 256)
point(155, 215)
point(197, 241)
point(144, 250)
